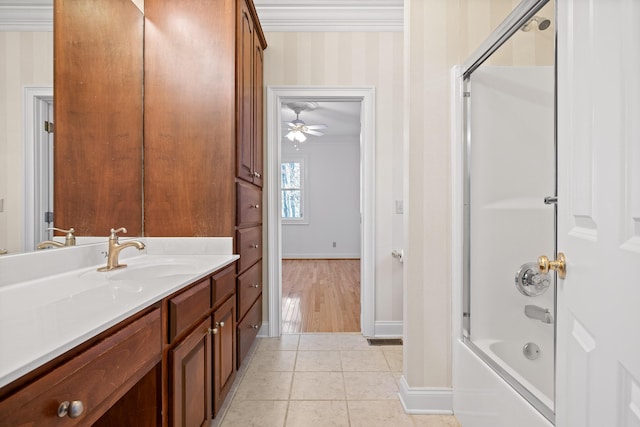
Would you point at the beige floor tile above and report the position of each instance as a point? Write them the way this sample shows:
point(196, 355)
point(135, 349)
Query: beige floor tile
point(272, 361)
point(370, 385)
point(319, 361)
point(354, 342)
point(317, 413)
point(378, 413)
point(284, 342)
point(317, 386)
point(394, 359)
point(435, 421)
point(251, 413)
point(264, 386)
point(364, 361)
point(319, 342)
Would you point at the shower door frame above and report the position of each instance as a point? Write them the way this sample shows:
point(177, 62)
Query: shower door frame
point(512, 23)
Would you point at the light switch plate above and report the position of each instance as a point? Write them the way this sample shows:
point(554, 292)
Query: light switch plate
point(399, 206)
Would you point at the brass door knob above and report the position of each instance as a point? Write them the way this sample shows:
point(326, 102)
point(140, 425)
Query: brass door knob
point(559, 265)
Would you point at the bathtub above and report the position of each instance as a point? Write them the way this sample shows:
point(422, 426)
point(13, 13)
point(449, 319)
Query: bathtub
point(535, 375)
point(484, 398)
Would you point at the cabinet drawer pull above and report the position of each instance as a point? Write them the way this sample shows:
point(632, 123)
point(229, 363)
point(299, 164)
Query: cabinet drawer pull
point(256, 174)
point(73, 409)
point(255, 246)
point(255, 206)
point(255, 285)
point(222, 324)
point(255, 326)
point(213, 331)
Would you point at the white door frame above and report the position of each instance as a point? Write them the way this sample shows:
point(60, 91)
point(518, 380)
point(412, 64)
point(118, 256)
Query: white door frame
point(36, 100)
point(275, 96)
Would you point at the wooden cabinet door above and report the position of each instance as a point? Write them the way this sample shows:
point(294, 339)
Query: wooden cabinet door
point(245, 94)
point(190, 379)
point(224, 351)
point(257, 158)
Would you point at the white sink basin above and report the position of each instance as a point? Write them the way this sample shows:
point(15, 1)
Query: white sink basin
point(146, 271)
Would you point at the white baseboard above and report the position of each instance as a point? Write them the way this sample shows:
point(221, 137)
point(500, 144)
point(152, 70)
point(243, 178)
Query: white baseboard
point(382, 329)
point(264, 330)
point(425, 400)
point(392, 329)
point(329, 255)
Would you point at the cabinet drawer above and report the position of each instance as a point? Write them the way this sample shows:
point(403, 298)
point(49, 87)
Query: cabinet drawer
point(249, 288)
point(248, 329)
point(224, 285)
point(249, 246)
point(97, 377)
point(249, 208)
point(188, 307)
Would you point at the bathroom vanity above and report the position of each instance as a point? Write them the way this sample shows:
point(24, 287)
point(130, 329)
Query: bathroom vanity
point(150, 344)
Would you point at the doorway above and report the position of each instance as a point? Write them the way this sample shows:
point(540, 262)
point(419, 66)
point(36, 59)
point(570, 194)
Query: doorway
point(320, 216)
point(38, 143)
point(276, 96)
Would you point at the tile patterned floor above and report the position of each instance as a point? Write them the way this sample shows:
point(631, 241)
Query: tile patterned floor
point(324, 380)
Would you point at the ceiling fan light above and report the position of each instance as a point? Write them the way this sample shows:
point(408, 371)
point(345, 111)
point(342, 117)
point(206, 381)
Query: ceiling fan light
point(300, 136)
point(290, 136)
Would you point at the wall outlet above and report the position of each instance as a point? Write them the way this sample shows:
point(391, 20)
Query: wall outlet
point(334, 244)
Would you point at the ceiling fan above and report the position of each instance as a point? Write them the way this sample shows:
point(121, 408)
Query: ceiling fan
point(297, 127)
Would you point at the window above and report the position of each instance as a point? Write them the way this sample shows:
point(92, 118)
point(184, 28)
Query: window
point(293, 191)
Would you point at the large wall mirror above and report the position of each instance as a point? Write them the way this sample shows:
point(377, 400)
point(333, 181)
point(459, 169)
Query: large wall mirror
point(98, 116)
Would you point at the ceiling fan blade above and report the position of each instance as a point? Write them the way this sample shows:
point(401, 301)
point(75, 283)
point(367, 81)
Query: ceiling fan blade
point(316, 126)
point(313, 132)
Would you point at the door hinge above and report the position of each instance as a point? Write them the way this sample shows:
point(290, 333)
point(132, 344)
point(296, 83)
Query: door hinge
point(466, 94)
point(48, 126)
point(48, 217)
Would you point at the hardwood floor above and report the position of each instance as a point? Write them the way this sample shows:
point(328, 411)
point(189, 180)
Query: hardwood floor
point(320, 295)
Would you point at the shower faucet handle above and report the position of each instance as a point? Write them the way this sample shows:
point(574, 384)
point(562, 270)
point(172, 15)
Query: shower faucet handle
point(559, 265)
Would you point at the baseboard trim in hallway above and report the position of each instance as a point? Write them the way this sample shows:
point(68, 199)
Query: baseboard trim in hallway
point(425, 400)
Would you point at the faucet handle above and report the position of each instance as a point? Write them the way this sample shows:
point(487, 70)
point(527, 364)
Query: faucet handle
point(114, 233)
point(70, 238)
point(62, 230)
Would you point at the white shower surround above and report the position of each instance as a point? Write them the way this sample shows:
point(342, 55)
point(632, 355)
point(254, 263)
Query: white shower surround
point(510, 180)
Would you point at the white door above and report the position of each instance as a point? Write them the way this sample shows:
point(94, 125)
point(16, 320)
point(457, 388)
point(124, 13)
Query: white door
point(598, 351)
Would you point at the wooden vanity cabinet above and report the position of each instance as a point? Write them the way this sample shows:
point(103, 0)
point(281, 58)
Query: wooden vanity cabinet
point(224, 348)
point(190, 365)
point(96, 377)
point(201, 348)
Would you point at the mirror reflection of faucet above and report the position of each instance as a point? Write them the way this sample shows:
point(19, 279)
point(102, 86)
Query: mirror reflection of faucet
point(538, 313)
point(69, 239)
point(115, 247)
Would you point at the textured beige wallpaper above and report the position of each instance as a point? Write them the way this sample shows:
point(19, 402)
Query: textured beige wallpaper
point(358, 59)
point(26, 58)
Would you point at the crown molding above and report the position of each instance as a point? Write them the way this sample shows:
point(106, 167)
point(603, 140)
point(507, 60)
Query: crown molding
point(275, 15)
point(31, 15)
point(330, 15)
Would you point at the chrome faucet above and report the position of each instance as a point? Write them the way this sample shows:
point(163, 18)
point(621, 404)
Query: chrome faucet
point(69, 240)
point(538, 313)
point(115, 247)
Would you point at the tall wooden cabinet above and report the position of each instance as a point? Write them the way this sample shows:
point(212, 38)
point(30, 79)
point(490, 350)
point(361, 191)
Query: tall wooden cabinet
point(249, 175)
point(250, 44)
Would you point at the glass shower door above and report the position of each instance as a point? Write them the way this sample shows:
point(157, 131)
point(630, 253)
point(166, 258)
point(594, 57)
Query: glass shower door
point(510, 213)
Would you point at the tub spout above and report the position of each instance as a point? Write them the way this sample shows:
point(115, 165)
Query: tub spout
point(538, 313)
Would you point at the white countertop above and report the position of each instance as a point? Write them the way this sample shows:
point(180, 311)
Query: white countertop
point(55, 308)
